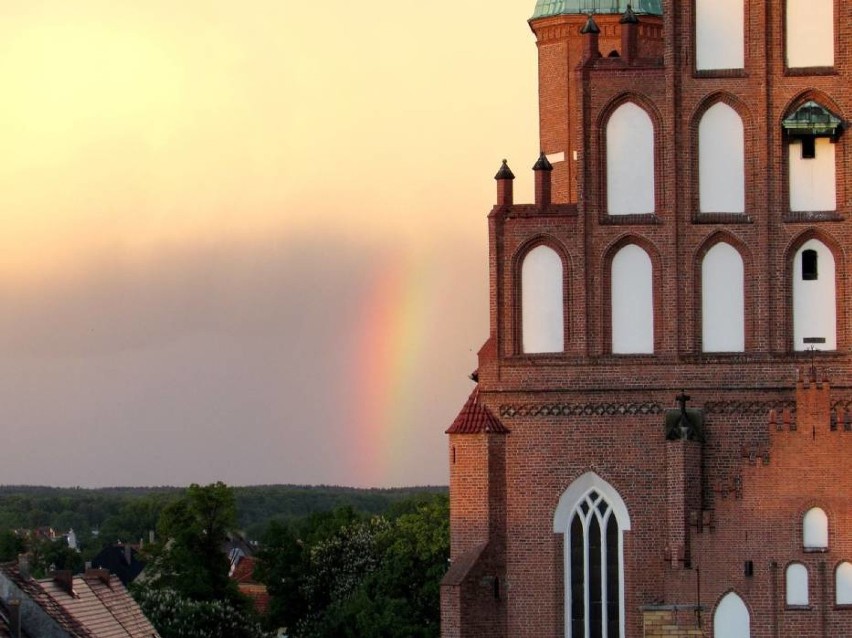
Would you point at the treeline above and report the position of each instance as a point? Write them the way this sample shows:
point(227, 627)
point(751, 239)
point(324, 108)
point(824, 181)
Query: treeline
point(127, 514)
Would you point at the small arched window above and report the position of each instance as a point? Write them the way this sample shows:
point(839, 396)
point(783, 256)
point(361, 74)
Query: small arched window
point(815, 529)
point(843, 584)
point(542, 302)
point(797, 585)
point(630, 161)
point(632, 302)
point(731, 618)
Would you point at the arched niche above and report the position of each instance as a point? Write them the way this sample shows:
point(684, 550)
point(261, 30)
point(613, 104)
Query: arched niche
point(632, 301)
point(721, 161)
point(796, 585)
point(542, 301)
point(722, 300)
point(814, 297)
point(630, 161)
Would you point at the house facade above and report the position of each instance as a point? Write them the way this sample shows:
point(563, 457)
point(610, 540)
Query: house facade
point(659, 439)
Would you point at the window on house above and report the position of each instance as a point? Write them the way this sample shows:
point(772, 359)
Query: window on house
point(542, 303)
point(815, 529)
point(843, 584)
point(797, 585)
point(593, 518)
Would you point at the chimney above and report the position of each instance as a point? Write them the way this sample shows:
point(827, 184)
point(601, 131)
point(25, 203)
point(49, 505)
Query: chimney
point(101, 574)
point(629, 26)
point(591, 49)
point(65, 579)
point(128, 555)
point(542, 168)
point(504, 178)
point(15, 618)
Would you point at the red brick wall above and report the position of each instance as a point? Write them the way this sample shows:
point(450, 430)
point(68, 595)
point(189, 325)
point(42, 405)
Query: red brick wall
point(741, 494)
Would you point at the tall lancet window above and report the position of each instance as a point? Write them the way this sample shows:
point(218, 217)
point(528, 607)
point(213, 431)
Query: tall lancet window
point(721, 161)
point(814, 298)
point(719, 34)
point(542, 302)
point(593, 518)
point(630, 161)
point(810, 33)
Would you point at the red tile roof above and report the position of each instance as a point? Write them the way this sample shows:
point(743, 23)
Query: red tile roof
point(476, 418)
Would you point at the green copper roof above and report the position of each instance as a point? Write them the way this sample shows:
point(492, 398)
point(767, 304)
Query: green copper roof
point(544, 8)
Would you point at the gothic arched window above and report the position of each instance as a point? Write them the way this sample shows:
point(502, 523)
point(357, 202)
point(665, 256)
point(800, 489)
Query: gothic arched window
point(632, 301)
point(721, 161)
point(593, 518)
point(630, 161)
point(542, 303)
point(731, 618)
point(814, 296)
point(722, 300)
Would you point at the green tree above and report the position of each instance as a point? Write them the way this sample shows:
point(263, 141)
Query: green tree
point(177, 616)
point(190, 557)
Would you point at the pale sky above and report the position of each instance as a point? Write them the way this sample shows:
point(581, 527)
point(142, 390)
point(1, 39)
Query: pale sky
point(247, 241)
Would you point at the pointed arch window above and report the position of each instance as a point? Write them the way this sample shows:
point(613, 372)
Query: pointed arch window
point(721, 161)
point(722, 300)
point(630, 161)
point(593, 518)
point(731, 618)
point(632, 301)
point(542, 301)
point(814, 296)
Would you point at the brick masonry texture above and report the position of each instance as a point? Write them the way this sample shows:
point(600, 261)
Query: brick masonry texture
point(777, 423)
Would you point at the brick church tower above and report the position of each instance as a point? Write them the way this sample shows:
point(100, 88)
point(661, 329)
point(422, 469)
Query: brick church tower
point(660, 436)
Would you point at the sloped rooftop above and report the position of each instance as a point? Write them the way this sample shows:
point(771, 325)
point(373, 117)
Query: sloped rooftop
point(476, 418)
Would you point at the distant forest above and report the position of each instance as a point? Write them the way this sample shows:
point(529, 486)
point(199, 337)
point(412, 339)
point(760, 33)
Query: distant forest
point(105, 516)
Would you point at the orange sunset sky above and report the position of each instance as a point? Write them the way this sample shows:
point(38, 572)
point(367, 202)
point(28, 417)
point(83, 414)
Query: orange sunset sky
point(246, 241)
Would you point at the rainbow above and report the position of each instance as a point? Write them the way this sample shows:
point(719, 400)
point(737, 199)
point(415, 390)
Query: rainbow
point(390, 334)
